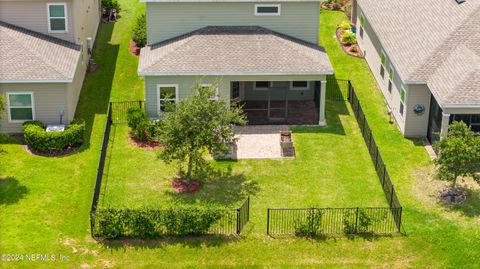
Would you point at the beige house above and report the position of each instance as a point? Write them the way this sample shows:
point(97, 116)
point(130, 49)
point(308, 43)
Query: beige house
point(263, 55)
point(425, 56)
point(43, 58)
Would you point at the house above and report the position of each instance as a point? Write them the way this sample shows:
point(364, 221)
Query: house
point(264, 55)
point(43, 58)
point(425, 56)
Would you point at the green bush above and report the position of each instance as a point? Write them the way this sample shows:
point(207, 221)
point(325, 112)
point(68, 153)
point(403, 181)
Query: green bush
point(110, 4)
point(139, 33)
point(345, 25)
point(112, 223)
point(349, 38)
point(40, 140)
point(135, 116)
point(311, 226)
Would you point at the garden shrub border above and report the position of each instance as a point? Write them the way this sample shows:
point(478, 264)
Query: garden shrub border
point(38, 139)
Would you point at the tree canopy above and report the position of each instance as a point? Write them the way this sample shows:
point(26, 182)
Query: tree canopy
point(458, 153)
point(195, 126)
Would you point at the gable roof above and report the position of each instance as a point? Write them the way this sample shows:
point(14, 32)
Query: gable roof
point(27, 56)
point(234, 50)
point(424, 39)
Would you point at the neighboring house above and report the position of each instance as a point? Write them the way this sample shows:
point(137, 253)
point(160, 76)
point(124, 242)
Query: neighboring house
point(264, 55)
point(424, 54)
point(43, 58)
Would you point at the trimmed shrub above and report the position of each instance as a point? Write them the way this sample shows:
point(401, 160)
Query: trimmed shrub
point(40, 140)
point(110, 4)
point(135, 116)
point(112, 223)
point(349, 38)
point(345, 25)
point(139, 33)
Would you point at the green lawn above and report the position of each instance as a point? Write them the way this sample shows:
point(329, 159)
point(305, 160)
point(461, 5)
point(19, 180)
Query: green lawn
point(45, 202)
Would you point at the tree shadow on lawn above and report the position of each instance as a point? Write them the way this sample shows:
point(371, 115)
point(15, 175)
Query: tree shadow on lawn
point(471, 206)
point(221, 187)
point(11, 191)
point(95, 94)
point(186, 241)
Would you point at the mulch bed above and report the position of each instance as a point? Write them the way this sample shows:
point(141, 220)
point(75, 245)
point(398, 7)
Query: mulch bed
point(352, 50)
point(149, 145)
point(181, 186)
point(134, 50)
point(54, 153)
point(341, 6)
point(449, 197)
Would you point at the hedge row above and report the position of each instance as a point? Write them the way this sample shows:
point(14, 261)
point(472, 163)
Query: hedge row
point(112, 223)
point(39, 139)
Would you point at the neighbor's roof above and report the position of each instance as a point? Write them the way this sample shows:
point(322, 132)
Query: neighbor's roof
point(27, 56)
point(433, 42)
point(200, 1)
point(234, 50)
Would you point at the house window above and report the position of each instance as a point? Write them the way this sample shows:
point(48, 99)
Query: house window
point(261, 85)
point(57, 17)
point(235, 93)
point(299, 85)
point(402, 101)
point(391, 73)
point(383, 60)
point(362, 24)
point(214, 96)
point(167, 94)
point(20, 106)
point(267, 10)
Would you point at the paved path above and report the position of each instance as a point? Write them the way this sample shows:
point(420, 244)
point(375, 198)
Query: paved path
point(258, 142)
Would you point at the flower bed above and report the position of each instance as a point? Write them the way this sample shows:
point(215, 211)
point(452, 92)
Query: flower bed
point(348, 40)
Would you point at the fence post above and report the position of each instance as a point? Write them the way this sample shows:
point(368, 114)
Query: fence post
point(391, 196)
point(248, 208)
point(268, 221)
point(238, 220)
point(384, 175)
point(399, 224)
point(356, 221)
point(140, 103)
point(109, 113)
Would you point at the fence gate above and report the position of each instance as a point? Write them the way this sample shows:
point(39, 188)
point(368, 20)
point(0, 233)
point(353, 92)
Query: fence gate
point(119, 110)
point(337, 89)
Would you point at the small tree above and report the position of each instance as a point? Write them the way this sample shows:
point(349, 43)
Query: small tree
point(458, 154)
point(195, 126)
point(139, 33)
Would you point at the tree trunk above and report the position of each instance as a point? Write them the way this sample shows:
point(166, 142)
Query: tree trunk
point(454, 184)
point(189, 169)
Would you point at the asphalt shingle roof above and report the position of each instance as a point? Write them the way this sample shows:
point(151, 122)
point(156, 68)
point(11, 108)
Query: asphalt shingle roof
point(30, 56)
point(233, 50)
point(431, 41)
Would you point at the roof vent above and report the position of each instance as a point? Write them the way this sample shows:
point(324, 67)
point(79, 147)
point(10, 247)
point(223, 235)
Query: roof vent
point(460, 1)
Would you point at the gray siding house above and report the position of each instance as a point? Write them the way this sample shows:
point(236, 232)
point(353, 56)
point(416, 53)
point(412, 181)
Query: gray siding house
point(43, 58)
point(264, 55)
point(425, 56)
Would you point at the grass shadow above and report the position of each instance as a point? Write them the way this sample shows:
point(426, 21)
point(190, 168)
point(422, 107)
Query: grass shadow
point(95, 94)
point(11, 191)
point(471, 206)
point(221, 187)
point(186, 241)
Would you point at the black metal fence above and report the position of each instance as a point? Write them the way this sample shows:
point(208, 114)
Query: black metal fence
point(114, 223)
point(337, 89)
point(373, 149)
point(331, 221)
point(380, 220)
point(230, 222)
point(100, 168)
point(119, 110)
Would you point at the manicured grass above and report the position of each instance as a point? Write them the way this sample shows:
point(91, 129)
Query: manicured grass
point(332, 169)
point(44, 202)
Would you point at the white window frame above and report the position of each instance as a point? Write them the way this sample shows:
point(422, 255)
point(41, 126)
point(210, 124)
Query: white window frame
point(9, 107)
point(215, 97)
point(362, 25)
point(279, 6)
point(403, 90)
point(391, 77)
point(299, 89)
point(49, 18)
point(261, 89)
point(159, 86)
point(382, 53)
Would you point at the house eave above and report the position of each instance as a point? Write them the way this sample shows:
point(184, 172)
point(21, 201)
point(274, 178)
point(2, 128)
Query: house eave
point(35, 81)
point(145, 74)
point(220, 1)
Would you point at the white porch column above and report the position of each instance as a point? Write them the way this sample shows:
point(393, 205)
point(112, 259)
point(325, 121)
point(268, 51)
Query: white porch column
point(321, 119)
point(445, 122)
